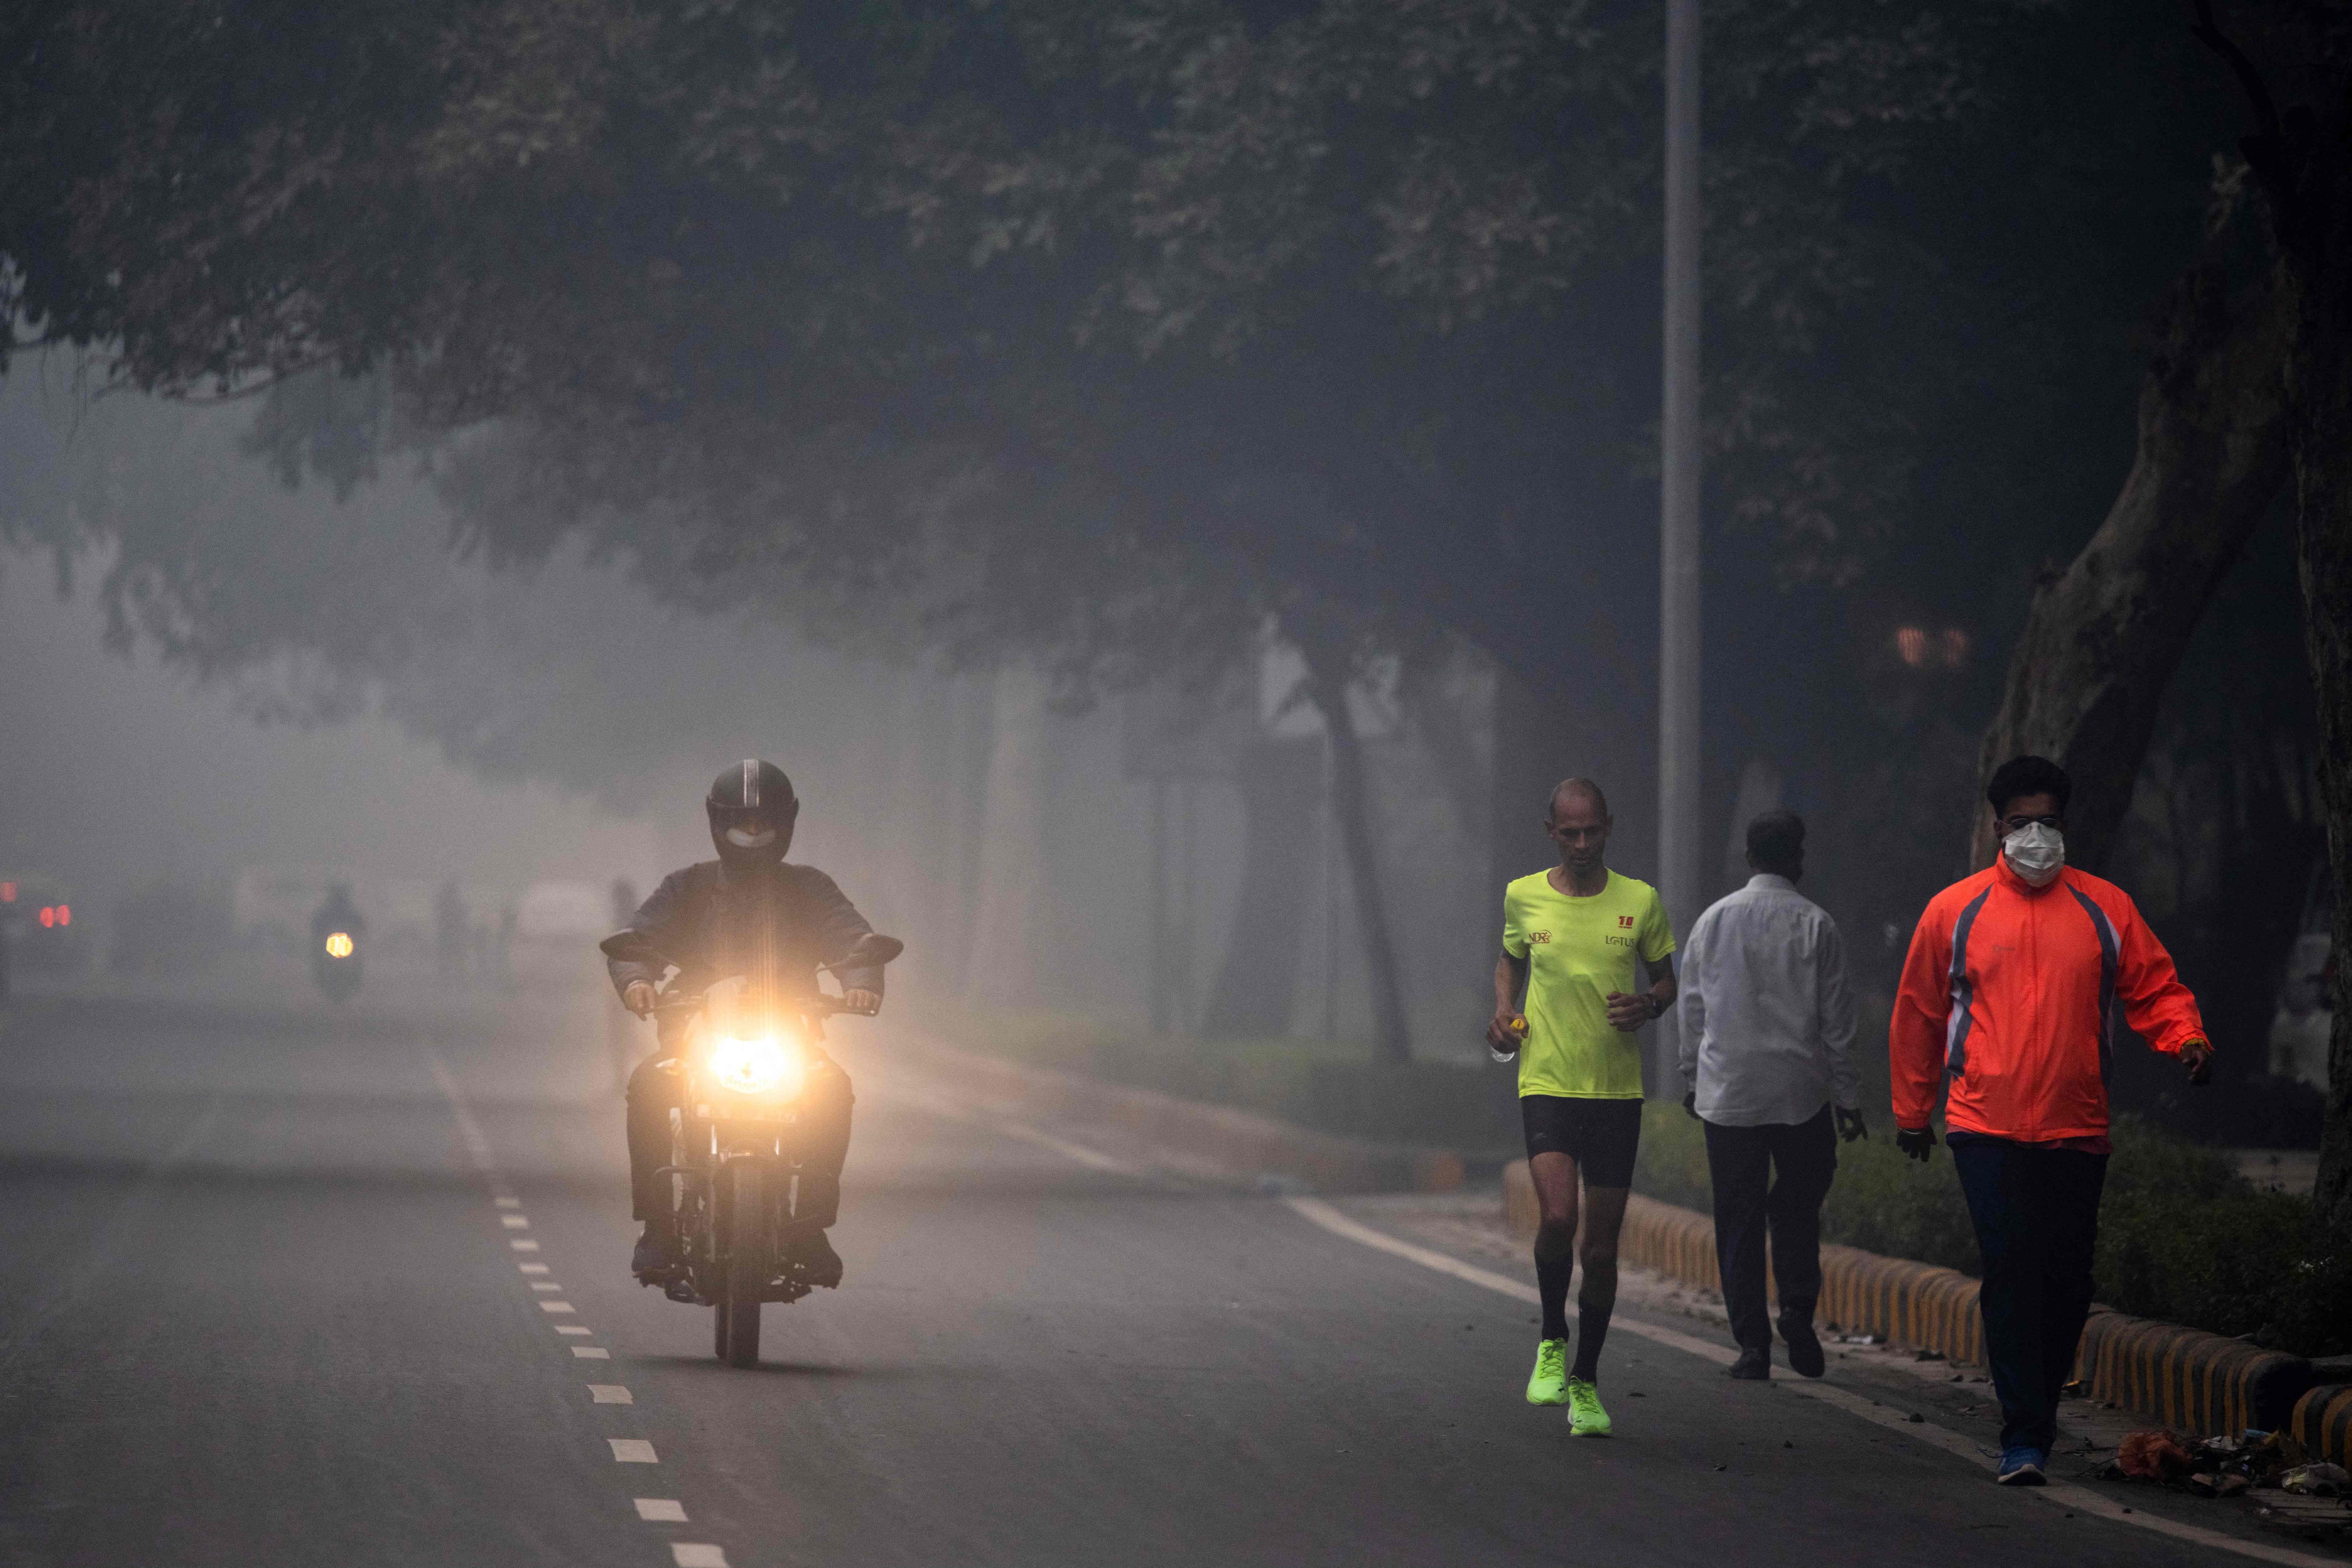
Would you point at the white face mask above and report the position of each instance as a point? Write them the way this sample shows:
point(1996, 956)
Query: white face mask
point(2035, 852)
point(743, 838)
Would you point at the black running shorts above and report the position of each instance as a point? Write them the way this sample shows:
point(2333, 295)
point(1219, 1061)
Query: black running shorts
point(1600, 1135)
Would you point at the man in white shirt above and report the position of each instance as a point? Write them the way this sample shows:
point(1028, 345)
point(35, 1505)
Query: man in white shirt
point(1766, 1037)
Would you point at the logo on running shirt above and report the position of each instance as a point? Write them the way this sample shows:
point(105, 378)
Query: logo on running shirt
point(1625, 922)
point(1539, 936)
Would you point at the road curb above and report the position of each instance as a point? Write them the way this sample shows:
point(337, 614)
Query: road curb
point(1238, 1142)
point(2322, 1422)
point(2192, 1380)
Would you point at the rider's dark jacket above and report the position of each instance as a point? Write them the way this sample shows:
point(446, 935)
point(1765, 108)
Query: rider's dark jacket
point(775, 926)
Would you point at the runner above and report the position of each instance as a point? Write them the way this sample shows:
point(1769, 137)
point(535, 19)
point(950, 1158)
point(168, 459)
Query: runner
point(1570, 938)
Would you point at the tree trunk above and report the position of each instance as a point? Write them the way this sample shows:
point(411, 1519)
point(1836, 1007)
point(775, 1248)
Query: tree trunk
point(1326, 688)
point(2314, 229)
point(2103, 638)
point(1258, 979)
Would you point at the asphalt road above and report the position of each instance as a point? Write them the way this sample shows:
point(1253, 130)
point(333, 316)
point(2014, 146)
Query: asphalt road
point(259, 1305)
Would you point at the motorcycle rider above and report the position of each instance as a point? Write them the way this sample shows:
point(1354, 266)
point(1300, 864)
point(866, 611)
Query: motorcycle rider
point(750, 913)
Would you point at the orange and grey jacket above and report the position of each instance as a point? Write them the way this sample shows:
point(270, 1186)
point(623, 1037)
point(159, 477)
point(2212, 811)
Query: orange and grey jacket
point(2020, 994)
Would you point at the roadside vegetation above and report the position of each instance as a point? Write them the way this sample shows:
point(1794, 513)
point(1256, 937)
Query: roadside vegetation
point(2182, 1235)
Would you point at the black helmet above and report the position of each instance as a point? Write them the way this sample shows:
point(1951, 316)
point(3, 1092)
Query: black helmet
point(751, 807)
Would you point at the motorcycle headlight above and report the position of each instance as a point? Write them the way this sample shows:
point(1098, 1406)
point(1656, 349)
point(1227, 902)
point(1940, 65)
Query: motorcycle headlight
point(762, 1065)
point(338, 944)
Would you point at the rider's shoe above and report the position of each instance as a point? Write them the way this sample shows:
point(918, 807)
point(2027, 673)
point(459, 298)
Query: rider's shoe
point(656, 1254)
point(817, 1261)
point(1547, 1385)
point(1585, 1416)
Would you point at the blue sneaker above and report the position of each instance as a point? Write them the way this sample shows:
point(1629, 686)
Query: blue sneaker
point(2021, 1466)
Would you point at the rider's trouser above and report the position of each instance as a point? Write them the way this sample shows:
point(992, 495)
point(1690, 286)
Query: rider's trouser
point(822, 1139)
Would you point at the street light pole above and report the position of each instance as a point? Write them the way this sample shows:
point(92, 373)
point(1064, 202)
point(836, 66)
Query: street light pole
point(1678, 535)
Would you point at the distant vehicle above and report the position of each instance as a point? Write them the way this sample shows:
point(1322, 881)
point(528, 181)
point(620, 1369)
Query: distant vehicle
point(335, 929)
point(38, 914)
point(2306, 1016)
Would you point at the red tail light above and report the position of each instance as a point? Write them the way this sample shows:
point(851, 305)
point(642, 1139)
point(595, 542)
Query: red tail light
point(7, 892)
point(48, 916)
point(65, 914)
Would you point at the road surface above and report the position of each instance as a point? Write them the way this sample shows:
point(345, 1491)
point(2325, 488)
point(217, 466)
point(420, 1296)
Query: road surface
point(263, 1305)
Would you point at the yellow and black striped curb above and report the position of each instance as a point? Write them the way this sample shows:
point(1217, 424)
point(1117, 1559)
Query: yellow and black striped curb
point(1234, 1143)
point(2323, 1421)
point(2188, 1378)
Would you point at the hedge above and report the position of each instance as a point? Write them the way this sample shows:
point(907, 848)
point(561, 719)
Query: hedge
point(2182, 1237)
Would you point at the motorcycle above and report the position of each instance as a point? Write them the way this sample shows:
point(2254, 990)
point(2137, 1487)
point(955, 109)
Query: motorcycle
point(745, 1056)
point(335, 965)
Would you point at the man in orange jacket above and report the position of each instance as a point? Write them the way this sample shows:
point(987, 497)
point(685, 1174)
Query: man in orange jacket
point(2019, 984)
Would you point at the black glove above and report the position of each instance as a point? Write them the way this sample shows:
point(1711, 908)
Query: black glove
point(1915, 1146)
point(2199, 1055)
point(1690, 1103)
point(1850, 1126)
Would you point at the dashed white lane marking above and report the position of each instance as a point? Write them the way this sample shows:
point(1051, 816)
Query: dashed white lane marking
point(660, 1509)
point(533, 1268)
point(556, 1306)
point(632, 1451)
point(514, 1221)
point(2080, 1498)
point(510, 1203)
point(545, 1285)
point(698, 1555)
point(572, 1329)
point(592, 1353)
point(520, 1246)
point(609, 1394)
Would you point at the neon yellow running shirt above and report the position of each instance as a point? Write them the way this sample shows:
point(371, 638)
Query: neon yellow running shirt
point(1578, 951)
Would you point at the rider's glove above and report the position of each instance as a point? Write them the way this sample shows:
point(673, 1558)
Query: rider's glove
point(1915, 1146)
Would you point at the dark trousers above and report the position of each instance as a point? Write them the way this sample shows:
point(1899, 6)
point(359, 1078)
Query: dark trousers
point(2037, 1218)
point(823, 1141)
point(1799, 1159)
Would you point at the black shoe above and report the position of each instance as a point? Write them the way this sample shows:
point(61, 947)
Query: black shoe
point(1753, 1365)
point(1804, 1348)
point(655, 1255)
point(817, 1261)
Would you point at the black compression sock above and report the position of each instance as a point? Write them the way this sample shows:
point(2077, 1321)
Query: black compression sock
point(1592, 1328)
point(1551, 1289)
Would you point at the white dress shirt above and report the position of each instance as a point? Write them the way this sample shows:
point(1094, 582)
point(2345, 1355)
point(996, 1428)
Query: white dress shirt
point(1767, 1022)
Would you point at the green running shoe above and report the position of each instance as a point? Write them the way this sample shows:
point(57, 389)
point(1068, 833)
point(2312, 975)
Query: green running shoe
point(1547, 1385)
point(1585, 1416)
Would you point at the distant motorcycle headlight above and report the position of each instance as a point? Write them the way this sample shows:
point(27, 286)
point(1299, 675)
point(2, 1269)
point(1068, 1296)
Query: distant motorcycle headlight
point(761, 1065)
point(338, 944)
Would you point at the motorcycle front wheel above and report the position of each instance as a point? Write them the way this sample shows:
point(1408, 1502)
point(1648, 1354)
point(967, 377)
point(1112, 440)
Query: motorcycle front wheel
point(737, 1330)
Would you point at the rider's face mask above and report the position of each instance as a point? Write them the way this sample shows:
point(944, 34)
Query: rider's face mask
point(752, 836)
point(2035, 852)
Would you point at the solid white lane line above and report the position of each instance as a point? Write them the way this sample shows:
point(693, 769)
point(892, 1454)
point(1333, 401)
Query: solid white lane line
point(1085, 1156)
point(571, 1329)
point(545, 1285)
point(2081, 1498)
point(698, 1555)
point(514, 1222)
point(510, 1203)
point(556, 1306)
point(632, 1451)
point(533, 1268)
point(470, 1130)
point(1338, 1224)
point(592, 1353)
point(524, 1246)
point(660, 1509)
point(609, 1394)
